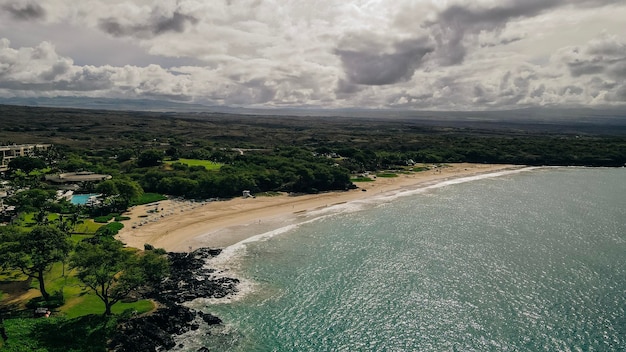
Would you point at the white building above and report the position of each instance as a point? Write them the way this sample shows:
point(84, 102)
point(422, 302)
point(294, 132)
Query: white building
point(10, 152)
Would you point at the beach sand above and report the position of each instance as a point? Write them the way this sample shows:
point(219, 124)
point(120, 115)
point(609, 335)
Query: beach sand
point(178, 225)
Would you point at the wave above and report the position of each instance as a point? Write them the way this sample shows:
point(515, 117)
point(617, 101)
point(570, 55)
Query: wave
point(228, 261)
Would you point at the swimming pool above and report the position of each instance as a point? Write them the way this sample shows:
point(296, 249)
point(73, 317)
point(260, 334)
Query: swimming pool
point(81, 199)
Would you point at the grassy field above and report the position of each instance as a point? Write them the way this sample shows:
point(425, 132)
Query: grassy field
point(76, 324)
point(361, 179)
point(208, 164)
point(58, 334)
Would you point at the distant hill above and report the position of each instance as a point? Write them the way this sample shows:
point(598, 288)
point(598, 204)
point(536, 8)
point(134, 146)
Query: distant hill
point(594, 120)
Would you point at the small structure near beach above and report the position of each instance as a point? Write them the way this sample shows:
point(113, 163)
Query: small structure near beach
point(247, 194)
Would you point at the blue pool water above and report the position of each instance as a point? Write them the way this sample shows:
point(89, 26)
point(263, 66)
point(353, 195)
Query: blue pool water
point(81, 199)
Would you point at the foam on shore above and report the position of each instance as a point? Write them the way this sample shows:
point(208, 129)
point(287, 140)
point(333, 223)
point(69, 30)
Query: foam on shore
point(228, 261)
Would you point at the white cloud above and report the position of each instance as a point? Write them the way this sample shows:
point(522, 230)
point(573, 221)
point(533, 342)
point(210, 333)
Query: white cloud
point(424, 54)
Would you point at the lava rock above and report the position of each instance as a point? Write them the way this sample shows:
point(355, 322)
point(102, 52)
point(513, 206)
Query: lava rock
point(189, 279)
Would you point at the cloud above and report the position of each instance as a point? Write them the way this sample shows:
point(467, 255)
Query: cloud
point(605, 55)
point(459, 23)
point(158, 23)
point(24, 10)
point(414, 54)
point(372, 65)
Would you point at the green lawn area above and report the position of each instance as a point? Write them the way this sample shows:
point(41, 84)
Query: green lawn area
point(361, 179)
point(208, 164)
point(87, 226)
point(78, 324)
point(58, 334)
point(28, 219)
point(80, 301)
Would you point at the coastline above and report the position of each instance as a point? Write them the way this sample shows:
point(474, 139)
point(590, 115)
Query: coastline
point(178, 226)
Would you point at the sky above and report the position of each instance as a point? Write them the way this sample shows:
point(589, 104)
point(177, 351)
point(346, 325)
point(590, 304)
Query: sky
point(382, 54)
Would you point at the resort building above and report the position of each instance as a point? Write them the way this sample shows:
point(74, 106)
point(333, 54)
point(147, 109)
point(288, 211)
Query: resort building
point(74, 180)
point(10, 152)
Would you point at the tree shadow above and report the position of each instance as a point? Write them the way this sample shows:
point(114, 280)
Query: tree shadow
point(86, 333)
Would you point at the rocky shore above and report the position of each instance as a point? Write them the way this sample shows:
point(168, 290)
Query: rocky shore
point(189, 279)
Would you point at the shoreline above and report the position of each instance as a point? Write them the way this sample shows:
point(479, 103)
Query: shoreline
point(181, 226)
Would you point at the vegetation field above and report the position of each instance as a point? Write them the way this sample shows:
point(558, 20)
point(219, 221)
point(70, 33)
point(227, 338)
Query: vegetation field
point(207, 164)
point(362, 179)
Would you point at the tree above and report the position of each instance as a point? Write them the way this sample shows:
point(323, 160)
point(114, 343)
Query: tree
point(128, 191)
point(107, 188)
point(26, 164)
point(113, 272)
point(34, 253)
point(150, 157)
point(32, 199)
point(124, 155)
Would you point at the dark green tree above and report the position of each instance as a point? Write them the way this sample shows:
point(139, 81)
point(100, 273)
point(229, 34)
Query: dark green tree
point(32, 199)
point(33, 253)
point(150, 157)
point(107, 188)
point(128, 190)
point(26, 164)
point(112, 272)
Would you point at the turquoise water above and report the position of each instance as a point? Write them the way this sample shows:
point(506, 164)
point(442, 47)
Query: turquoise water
point(81, 199)
point(533, 261)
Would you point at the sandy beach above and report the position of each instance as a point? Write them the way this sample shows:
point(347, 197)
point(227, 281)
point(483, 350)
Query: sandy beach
point(178, 225)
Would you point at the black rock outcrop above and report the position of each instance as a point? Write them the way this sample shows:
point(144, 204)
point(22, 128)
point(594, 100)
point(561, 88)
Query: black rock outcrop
point(189, 279)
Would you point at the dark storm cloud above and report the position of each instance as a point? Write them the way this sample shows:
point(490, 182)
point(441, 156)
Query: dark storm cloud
point(158, 24)
point(25, 10)
point(345, 88)
point(370, 66)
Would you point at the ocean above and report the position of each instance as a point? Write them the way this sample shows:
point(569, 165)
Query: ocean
point(529, 260)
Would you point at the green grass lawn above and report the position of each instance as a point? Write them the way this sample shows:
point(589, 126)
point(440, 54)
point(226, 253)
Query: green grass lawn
point(88, 226)
point(361, 179)
point(208, 164)
point(28, 219)
point(58, 334)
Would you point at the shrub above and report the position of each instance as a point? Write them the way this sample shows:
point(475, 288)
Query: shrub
point(110, 229)
point(103, 219)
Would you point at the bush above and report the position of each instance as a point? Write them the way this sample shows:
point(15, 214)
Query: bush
point(106, 218)
point(160, 251)
point(110, 229)
point(121, 218)
point(148, 198)
point(102, 219)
